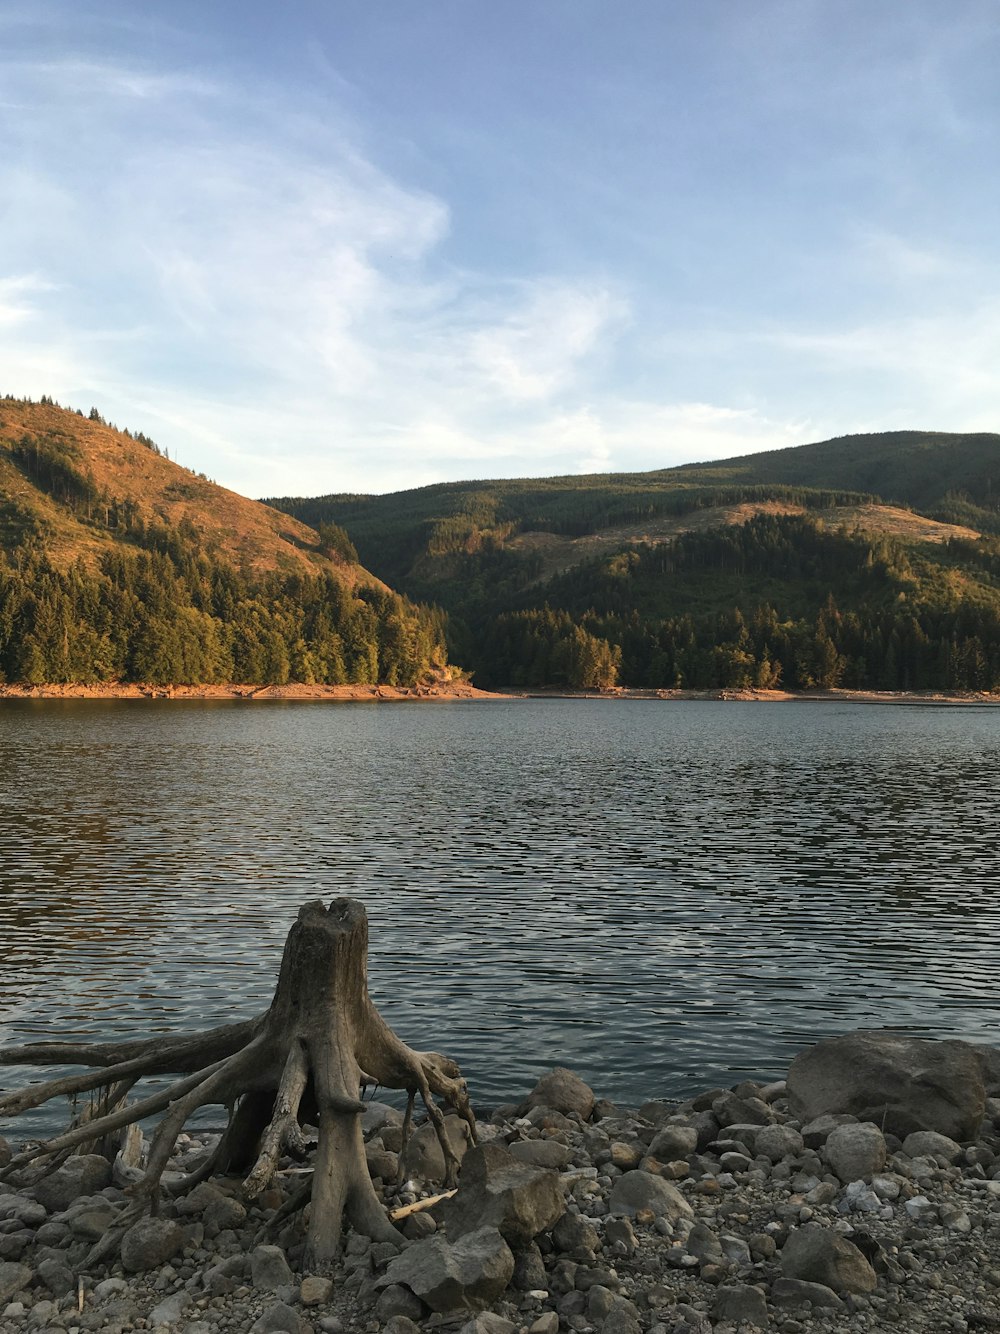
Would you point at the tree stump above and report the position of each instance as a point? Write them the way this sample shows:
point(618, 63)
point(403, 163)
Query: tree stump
point(319, 1042)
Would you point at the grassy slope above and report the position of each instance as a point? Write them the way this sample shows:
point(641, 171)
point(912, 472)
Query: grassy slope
point(239, 530)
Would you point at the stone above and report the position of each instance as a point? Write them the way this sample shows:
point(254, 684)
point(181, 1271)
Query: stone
point(398, 1300)
point(818, 1130)
point(819, 1255)
point(796, 1292)
point(57, 1276)
point(269, 1269)
point(540, 1153)
point(418, 1226)
point(170, 1310)
point(84, 1175)
point(488, 1322)
point(13, 1277)
point(470, 1272)
point(574, 1233)
point(397, 1324)
point(423, 1160)
point(623, 1318)
point(315, 1290)
point(547, 1323)
point(929, 1144)
point(856, 1152)
point(777, 1142)
point(92, 1223)
point(28, 1212)
point(223, 1213)
point(704, 1245)
point(150, 1243)
point(564, 1092)
point(529, 1270)
point(382, 1163)
point(636, 1191)
point(497, 1191)
point(740, 1303)
point(730, 1109)
point(6, 1152)
point(900, 1083)
point(673, 1141)
point(277, 1319)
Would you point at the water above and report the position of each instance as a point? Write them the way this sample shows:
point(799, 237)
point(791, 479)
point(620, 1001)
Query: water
point(662, 896)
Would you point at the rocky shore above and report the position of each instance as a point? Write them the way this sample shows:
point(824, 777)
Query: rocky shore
point(862, 1193)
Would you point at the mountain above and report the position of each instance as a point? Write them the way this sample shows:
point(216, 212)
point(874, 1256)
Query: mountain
point(866, 560)
point(118, 564)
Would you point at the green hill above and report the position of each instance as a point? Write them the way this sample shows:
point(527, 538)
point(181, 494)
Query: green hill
point(860, 561)
point(117, 564)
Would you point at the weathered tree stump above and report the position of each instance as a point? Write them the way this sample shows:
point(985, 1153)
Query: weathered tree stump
point(320, 1041)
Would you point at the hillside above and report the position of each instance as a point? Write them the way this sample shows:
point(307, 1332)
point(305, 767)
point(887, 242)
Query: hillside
point(118, 564)
point(80, 484)
point(870, 547)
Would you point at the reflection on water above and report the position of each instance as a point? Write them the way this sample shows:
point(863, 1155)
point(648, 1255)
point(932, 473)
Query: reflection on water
point(663, 896)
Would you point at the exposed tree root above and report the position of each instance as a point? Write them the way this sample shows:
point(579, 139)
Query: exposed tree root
point(313, 1049)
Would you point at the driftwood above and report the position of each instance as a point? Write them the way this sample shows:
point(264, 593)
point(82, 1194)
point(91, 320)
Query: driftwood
point(311, 1052)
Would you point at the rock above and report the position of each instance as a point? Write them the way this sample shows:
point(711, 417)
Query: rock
point(777, 1142)
point(314, 1290)
point(277, 1319)
point(730, 1109)
point(422, 1158)
point(497, 1191)
point(398, 1324)
point(382, 1162)
point(269, 1269)
point(399, 1300)
point(856, 1152)
point(564, 1092)
point(379, 1114)
point(739, 1302)
point(634, 1191)
point(674, 1141)
point(6, 1152)
point(820, 1255)
point(704, 1245)
point(529, 1270)
point(488, 1323)
point(623, 1318)
point(900, 1083)
point(418, 1226)
point(150, 1243)
point(540, 1153)
point(929, 1144)
point(170, 1310)
point(573, 1234)
point(92, 1222)
point(57, 1276)
point(989, 1066)
point(13, 1277)
point(547, 1323)
point(796, 1292)
point(816, 1133)
point(223, 1213)
point(85, 1175)
point(28, 1212)
point(472, 1272)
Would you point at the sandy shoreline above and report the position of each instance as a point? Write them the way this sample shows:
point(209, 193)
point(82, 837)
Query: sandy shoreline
point(443, 691)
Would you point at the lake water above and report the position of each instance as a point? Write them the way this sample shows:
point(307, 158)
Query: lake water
point(663, 896)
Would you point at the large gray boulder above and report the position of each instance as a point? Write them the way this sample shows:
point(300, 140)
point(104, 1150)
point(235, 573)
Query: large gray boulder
point(469, 1273)
point(820, 1255)
point(84, 1175)
point(13, 1277)
point(423, 1159)
point(634, 1191)
point(495, 1190)
point(563, 1091)
point(900, 1083)
point(150, 1243)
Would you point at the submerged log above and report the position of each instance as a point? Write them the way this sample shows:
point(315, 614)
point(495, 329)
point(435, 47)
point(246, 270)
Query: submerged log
point(319, 1042)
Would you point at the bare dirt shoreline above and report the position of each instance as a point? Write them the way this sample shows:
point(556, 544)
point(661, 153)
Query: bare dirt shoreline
point(443, 691)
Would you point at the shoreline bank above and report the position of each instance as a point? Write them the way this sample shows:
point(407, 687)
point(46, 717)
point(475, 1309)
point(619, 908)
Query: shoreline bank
point(464, 690)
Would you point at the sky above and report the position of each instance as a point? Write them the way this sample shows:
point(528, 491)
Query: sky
point(364, 245)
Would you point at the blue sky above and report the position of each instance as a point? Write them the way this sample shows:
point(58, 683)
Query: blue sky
point(326, 246)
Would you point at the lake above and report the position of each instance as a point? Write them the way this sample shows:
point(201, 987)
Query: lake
point(663, 896)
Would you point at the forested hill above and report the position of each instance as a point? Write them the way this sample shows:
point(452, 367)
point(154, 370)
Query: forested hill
point(867, 561)
point(118, 564)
